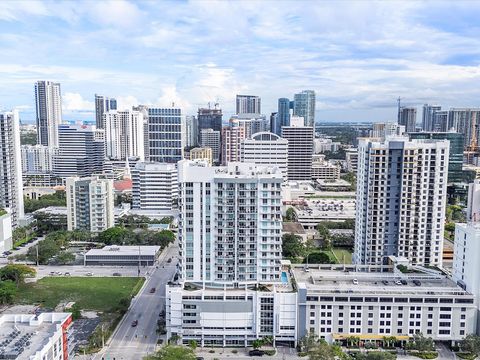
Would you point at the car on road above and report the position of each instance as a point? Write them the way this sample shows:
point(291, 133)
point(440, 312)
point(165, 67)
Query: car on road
point(200, 358)
point(256, 352)
point(398, 282)
point(152, 290)
point(355, 282)
point(117, 274)
point(67, 274)
point(385, 282)
point(417, 282)
point(404, 282)
point(52, 273)
point(89, 274)
point(134, 323)
point(59, 273)
point(169, 260)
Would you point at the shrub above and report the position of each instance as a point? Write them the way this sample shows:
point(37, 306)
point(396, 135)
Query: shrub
point(270, 352)
point(234, 351)
point(466, 356)
point(302, 354)
point(424, 355)
point(211, 351)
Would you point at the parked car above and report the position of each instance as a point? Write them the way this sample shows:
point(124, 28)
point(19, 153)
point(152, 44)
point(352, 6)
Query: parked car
point(52, 273)
point(169, 260)
point(134, 323)
point(398, 282)
point(417, 282)
point(152, 290)
point(355, 282)
point(404, 282)
point(67, 274)
point(89, 274)
point(256, 352)
point(385, 282)
point(117, 274)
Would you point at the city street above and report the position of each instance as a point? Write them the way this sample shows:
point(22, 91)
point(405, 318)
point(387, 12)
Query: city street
point(129, 342)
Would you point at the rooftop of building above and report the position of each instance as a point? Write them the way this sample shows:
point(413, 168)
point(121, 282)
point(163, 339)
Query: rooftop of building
point(22, 335)
point(142, 250)
point(293, 227)
point(337, 183)
point(326, 208)
point(123, 185)
point(352, 279)
point(152, 166)
point(53, 210)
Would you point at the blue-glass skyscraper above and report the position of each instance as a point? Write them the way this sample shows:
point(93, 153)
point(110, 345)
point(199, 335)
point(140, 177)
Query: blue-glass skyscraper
point(283, 115)
point(165, 135)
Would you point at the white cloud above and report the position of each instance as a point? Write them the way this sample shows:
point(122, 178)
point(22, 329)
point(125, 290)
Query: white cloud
point(75, 102)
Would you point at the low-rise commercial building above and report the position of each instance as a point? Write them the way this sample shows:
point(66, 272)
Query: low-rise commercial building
point(324, 170)
point(36, 337)
point(337, 301)
point(310, 212)
point(123, 255)
point(202, 153)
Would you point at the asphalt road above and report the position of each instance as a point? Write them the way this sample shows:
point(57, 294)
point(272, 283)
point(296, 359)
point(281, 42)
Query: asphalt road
point(135, 342)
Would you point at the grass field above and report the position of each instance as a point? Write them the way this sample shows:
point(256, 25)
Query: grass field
point(99, 294)
point(339, 253)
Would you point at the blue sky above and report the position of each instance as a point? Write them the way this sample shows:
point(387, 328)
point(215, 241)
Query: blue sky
point(358, 56)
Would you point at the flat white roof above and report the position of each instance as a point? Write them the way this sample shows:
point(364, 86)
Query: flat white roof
point(23, 329)
point(144, 250)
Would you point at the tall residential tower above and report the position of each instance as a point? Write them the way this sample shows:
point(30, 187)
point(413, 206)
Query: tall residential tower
point(48, 101)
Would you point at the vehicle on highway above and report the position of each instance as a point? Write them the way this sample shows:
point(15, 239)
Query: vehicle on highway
point(67, 274)
point(152, 290)
point(404, 282)
point(89, 274)
point(169, 260)
point(256, 352)
point(134, 323)
point(117, 274)
point(417, 282)
point(59, 273)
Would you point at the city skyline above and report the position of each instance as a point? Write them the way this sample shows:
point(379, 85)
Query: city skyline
point(187, 59)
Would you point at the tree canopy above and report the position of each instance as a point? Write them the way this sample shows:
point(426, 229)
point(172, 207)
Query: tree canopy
point(16, 273)
point(57, 199)
point(173, 352)
point(471, 344)
point(292, 246)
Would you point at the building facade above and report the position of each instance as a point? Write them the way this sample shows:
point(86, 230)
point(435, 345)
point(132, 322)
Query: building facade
point(467, 122)
point(165, 135)
point(11, 186)
point(154, 186)
point(283, 115)
point(383, 130)
point(37, 158)
point(81, 151)
point(191, 131)
point(300, 151)
point(304, 106)
point(103, 104)
point(124, 134)
point(455, 158)
point(401, 199)
point(6, 242)
point(212, 139)
point(324, 170)
point(202, 153)
point(90, 203)
point(48, 105)
point(407, 116)
point(210, 119)
point(266, 149)
point(248, 104)
point(428, 117)
point(232, 137)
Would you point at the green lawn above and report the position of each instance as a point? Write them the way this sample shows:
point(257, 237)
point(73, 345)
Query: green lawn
point(339, 253)
point(99, 294)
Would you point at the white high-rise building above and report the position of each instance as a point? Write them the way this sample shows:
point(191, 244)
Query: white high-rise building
point(48, 100)
point(90, 204)
point(154, 186)
point(37, 158)
point(103, 104)
point(401, 198)
point(212, 139)
point(124, 134)
point(300, 149)
point(248, 104)
point(81, 151)
point(266, 149)
point(230, 229)
point(11, 187)
point(383, 130)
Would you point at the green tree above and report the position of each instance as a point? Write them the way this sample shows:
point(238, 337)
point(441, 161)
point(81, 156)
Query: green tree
point(375, 355)
point(16, 273)
point(308, 342)
point(192, 344)
point(292, 246)
point(290, 214)
point(57, 199)
point(65, 257)
point(318, 257)
point(76, 312)
point(8, 291)
point(257, 343)
point(172, 352)
point(166, 220)
point(321, 351)
point(422, 343)
point(28, 138)
point(114, 235)
point(471, 344)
